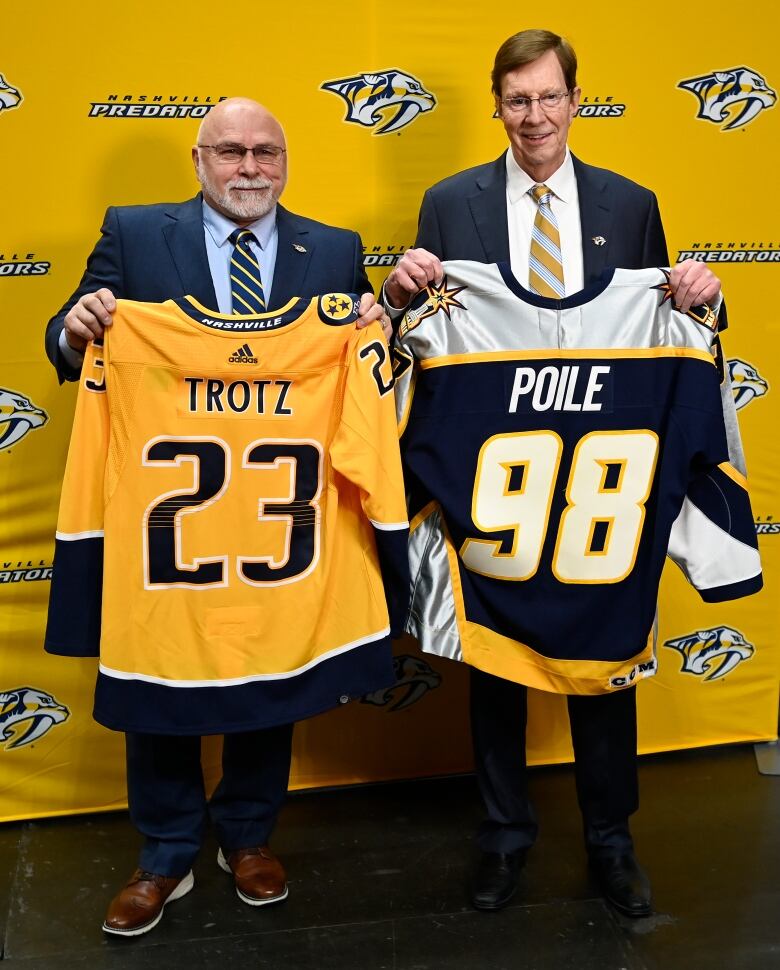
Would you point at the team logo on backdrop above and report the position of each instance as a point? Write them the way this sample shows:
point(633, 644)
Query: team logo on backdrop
point(711, 654)
point(731, 98)
point(731, 252)
point(598, 107)
point(746, 383)
point(23, 264)
point(154, 106)
point(385, 256)
point(24, 572)
point(767, 526)
point(26, 714)
point(18, 416)
point(436, 298)
point(385, 100)
point(10, 97)
point(414, 677)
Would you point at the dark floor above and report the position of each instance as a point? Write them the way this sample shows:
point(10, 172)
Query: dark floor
point(378, 880)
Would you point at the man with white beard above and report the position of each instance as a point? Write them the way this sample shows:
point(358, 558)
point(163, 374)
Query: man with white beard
point(159, 252)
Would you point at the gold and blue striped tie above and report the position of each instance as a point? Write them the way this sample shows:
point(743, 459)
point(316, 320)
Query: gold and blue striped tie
point(246, 286)
point(545, 270)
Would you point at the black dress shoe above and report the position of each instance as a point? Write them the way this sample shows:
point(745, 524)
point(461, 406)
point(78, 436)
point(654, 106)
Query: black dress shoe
point(495, 880)
point(623, 883)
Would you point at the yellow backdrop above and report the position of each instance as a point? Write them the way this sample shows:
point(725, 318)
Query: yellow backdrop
point(102, 109)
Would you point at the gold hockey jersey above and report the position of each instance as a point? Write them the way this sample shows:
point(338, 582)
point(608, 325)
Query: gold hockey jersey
point(232, 499)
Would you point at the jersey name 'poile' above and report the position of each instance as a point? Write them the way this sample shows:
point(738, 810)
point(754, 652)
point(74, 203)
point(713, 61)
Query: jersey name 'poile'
point(554, 450)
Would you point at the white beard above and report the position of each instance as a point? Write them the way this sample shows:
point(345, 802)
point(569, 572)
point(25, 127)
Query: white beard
point(241, 205)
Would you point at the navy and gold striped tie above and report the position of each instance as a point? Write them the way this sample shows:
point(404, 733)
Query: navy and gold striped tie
point(246, 287)
point(545, 272)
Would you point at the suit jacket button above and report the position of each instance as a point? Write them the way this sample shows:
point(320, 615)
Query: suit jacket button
point(344, 699)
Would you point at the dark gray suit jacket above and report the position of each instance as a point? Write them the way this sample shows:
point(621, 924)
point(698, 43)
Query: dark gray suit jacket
point(154, 253)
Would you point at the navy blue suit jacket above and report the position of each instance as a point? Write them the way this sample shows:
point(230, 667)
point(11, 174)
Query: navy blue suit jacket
point(154, 253)
point(465, 217)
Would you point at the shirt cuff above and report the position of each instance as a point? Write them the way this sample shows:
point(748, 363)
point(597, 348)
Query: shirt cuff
point(73, 358)
point(394, 312)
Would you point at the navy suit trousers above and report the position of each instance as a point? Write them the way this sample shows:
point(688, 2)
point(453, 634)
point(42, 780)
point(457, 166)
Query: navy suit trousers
point(603, 731)
point(168, 803)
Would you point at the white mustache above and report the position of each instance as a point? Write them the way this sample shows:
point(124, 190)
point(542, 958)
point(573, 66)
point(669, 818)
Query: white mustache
point(245, 183)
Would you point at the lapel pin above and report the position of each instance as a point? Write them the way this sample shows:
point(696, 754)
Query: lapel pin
point(599, 240)
point(301, 249)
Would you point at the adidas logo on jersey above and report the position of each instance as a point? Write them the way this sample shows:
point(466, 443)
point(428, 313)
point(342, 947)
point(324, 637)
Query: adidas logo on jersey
point(243, 355)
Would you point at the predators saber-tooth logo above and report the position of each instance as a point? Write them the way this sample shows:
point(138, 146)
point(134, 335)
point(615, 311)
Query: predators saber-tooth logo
point(714, 652)
point(18, 415)
point(731, 98)
point(26, 714)
point(10, 97)
point(372, 97)
point(414, 677)
point(746, 383)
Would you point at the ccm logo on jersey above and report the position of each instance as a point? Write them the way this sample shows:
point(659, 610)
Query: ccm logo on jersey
point(714, 652)
point(565, 387)
point(735, 96)
point(370, 96)
point(26, 714)
point(646, 669)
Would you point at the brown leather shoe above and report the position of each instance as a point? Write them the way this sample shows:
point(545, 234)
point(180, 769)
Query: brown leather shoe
point(258, 874)
point(139, 905)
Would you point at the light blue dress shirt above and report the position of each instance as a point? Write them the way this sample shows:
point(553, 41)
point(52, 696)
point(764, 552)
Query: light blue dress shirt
point(217, 229)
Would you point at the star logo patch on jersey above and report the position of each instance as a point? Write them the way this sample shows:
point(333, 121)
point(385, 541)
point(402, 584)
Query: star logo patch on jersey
point(437, 297)
point(703, 314)
point(339, 308)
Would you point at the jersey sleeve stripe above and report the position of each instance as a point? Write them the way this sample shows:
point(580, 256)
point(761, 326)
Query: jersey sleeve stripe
point(389, 526)
point(733, 474)
point(76, 536)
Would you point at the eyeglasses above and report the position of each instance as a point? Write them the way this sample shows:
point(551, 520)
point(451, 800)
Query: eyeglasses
point(547, 102)
point(229, 153)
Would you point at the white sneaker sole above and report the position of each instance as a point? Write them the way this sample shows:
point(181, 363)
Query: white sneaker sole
point(181, 890)
point(249, 900)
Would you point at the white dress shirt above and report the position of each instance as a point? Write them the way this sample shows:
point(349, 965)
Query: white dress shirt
point(521, 211)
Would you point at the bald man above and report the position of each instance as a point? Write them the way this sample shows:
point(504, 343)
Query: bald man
point(159, 252)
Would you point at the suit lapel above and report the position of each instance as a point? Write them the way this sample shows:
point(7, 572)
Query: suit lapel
point(294, 253)
point(187, 245)
point(488, 210)
point(595, 220)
